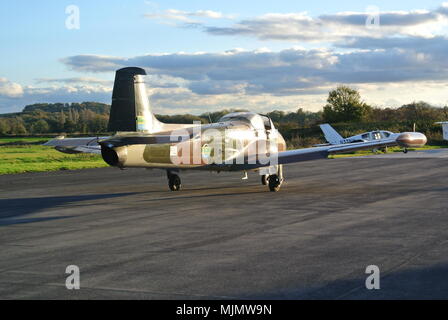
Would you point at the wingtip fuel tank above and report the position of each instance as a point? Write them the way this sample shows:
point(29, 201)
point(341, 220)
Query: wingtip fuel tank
point(411, 139)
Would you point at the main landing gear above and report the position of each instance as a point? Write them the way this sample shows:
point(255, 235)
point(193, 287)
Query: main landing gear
point(265, 179)
point(274, 181)
point(174, 181)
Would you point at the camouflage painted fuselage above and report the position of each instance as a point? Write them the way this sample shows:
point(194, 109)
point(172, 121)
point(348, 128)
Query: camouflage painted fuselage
point(223, 146)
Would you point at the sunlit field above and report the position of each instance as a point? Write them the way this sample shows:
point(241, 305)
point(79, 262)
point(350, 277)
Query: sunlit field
point(18, 155)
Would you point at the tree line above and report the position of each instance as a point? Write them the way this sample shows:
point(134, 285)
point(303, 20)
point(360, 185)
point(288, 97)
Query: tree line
point(82, 118)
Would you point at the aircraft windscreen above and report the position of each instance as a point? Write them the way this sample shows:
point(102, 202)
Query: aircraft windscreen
point(255, 120)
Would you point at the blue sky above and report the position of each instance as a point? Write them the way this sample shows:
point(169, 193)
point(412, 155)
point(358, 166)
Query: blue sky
point(204, 55)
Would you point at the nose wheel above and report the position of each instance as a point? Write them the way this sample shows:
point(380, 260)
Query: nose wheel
point(174, 181)
point(274, 181)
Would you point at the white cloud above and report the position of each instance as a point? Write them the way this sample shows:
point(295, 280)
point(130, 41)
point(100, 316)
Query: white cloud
point(403, 60)
point(332, 28)
point(74, 80)
point(186, 18)
point(209, 14)
point(68, 92)
point(175, 100)
point(183, 100)
point(300, 26)
point(264, 80)
point(287, 72)
point(292, 71)
point(102, 63)
point(10, 89)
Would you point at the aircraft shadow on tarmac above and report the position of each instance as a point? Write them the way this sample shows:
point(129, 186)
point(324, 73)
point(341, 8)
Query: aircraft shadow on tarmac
point(13, 210)
point(179, 196)
point(427, 283)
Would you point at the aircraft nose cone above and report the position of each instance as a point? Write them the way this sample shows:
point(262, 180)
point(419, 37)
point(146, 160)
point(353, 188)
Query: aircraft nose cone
point(412, 139)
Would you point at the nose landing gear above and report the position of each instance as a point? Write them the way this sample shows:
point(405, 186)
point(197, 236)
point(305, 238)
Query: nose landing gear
point(274, 181)
point(174, 181)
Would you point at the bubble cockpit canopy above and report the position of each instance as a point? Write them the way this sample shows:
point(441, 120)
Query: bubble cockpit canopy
point(257, 121)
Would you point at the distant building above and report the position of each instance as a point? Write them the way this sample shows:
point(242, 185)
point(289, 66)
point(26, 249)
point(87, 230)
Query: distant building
point(445, 129)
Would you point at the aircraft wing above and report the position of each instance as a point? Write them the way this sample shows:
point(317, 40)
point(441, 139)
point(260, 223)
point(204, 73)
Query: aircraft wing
point(405, 140)
point(331, 135)
point(119, 141)
point(93, 144)
point(76, 145)
point(315, 153)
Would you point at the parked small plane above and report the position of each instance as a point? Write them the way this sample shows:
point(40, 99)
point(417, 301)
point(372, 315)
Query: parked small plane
point(241, 141)
point(334, 138)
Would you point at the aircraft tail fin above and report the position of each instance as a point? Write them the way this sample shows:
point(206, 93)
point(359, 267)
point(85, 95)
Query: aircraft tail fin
point(331, 135)
point(130, 110)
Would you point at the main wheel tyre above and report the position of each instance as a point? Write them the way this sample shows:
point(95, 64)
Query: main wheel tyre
point(174, 182)
point(274, 183)
point(264, 179)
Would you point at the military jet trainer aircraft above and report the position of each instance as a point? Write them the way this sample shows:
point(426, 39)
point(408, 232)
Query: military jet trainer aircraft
point(242, 141)
point(334, 138)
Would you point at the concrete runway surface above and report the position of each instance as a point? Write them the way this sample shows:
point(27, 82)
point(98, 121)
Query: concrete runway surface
point(222, 237)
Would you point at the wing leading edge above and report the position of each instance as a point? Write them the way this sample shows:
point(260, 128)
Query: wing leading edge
point(76, 145)
point(315, 153)
point(93, 144)
point(405, 140)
